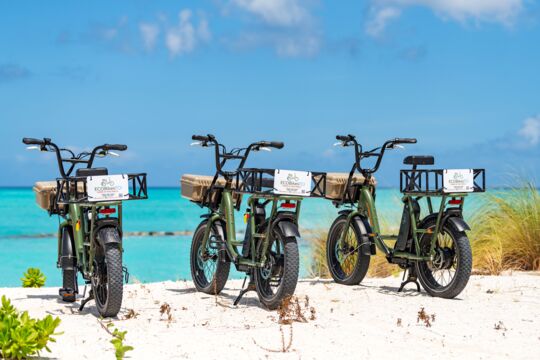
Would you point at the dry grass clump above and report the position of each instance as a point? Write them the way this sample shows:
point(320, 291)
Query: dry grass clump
point(506, 231)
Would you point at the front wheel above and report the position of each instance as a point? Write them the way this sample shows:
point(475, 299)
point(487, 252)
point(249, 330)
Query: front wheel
point(277, 279)
point(447, 275)
point(208, 271)
point(107, 279)
point(346, 262)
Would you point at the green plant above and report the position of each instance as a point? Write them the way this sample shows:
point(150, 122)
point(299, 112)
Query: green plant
point(506, 230)
point(21, 335)
point(33, 278)
point(118, 343)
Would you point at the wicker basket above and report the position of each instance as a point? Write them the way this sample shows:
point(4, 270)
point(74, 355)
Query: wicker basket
point(194, 187)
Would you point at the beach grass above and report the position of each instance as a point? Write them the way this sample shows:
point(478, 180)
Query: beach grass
point(506, 230)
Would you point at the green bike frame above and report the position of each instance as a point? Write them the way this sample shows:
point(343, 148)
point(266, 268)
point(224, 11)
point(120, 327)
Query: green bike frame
point(366, 208)
point(225, 214)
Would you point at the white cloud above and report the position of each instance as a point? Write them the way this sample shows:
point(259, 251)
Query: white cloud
point(288, 27)
point(276, 12)
point(530, 130)
point(495, 11)
point(149, 34)
point(184, 37)
point(376, 25)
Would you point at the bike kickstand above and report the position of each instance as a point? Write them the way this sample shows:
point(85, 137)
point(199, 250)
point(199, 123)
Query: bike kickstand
point(411, 278)
point(90, 297)
point(250, 287)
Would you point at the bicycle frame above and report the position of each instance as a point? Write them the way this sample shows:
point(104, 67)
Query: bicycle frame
point(366, 207)
point(225, 213)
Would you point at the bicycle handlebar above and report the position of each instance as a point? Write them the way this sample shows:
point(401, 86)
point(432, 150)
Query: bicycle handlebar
point(74, 159)
point(222, 155)
point(377, 152)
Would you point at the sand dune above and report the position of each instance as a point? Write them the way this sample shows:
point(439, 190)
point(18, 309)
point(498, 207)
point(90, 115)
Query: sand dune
point(495, 317)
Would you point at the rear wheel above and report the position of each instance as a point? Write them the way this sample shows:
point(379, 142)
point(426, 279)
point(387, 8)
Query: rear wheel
point(209, 273)
point(107, 278)
point(346, 263)
point(277, 279)
point(447, 275)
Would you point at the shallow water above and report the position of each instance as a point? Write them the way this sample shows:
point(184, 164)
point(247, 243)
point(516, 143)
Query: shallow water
point(149, 259)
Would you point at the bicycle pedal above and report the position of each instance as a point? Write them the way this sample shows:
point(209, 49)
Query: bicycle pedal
point(67, 294)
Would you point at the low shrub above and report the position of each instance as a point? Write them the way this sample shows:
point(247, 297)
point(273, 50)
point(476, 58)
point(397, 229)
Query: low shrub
point(33, 278)
point(21, 335)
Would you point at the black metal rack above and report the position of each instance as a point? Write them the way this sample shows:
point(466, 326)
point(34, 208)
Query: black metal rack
point(430, 181)
point(261, 181)
point(72, 190)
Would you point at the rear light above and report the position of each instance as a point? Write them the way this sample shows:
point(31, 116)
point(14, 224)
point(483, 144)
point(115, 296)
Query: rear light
point(288, 205)
point(107, 211)
point(455, 202)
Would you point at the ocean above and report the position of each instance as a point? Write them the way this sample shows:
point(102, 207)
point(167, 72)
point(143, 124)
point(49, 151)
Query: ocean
point(27, 233)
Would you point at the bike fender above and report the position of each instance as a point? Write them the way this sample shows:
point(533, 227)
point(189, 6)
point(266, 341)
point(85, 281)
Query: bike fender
point(288, 228)
point(220, 226)
point(365, 229)
point(452, 217)
point(458, 223)
point(112, 223)
point(67, 258)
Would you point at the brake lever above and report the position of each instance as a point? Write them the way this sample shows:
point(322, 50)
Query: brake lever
point(196, 143)
point(265, 149)
point(113, 153)
point(33, 148)
point(340, 143)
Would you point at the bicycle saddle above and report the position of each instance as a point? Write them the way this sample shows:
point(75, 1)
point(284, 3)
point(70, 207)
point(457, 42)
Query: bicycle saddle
point(92, 171)
point(419, 160)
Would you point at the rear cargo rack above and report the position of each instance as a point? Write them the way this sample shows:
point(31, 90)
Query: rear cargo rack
point(430, 181)
point(72, 190)
point(261, 182)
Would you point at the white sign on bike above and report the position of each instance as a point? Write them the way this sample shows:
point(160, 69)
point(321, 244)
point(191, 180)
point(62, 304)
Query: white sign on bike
point(290, 182)
point(458, 180)
point(107, 188)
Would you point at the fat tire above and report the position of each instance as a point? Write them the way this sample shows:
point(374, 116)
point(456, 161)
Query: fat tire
point(464, 267)
point(210, 286)
point(362, 263)
point(290, 273)
point(115, 279)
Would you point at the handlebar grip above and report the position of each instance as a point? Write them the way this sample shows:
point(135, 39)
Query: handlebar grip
point(200, 138)
point(31, 141)
point(405, 140)
point(273, 144)
point(343, 137)
point(117, 147)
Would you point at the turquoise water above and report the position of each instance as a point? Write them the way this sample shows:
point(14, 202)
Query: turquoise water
point(148, 258)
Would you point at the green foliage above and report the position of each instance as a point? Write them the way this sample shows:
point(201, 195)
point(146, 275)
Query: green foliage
point(20, 335)
point(33, 278)
point(506, 230)
point(118, 343)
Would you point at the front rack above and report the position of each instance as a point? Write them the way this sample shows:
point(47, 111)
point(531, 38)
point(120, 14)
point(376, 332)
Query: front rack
point(430, 181)
point(72, 190)
point(261, 182)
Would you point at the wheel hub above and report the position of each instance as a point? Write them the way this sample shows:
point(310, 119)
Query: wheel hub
point(444, 258)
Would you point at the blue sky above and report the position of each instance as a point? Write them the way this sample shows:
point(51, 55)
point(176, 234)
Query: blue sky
point(461, 76)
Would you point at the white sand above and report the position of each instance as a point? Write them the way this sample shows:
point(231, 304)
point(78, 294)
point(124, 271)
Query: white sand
point(351, 322)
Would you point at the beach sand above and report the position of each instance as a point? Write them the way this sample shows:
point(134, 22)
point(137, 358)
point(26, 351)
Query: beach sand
point(495, 317)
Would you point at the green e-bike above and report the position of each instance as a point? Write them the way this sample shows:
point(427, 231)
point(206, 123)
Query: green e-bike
point(431, 246)
point(268, 254)
point(90, 233)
